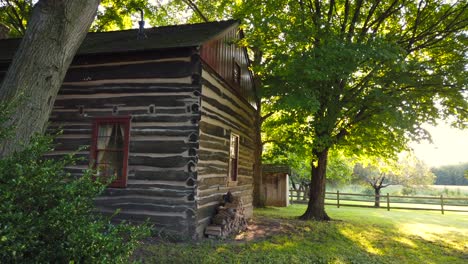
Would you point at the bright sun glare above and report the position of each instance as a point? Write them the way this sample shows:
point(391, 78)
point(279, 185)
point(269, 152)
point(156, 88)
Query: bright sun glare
point(449, 147)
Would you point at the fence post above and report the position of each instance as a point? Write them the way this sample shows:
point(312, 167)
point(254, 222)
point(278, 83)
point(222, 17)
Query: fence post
point(337, 198)
point(298, 194)
point(442, 203)
point(388, 202)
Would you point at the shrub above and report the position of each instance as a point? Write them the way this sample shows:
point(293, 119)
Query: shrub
point(408, 190)
point(46, 215)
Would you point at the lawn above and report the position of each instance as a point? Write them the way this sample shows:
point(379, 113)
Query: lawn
point(358, 235)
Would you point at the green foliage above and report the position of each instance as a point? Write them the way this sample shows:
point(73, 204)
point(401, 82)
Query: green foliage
point(451, 174)
point(14, 15)
point(408, 171)
point(47, 215)
point(408, 190)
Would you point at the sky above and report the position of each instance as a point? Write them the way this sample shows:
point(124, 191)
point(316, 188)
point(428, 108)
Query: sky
point(450, 146)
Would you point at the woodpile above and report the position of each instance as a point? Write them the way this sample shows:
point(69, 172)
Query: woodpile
point(229, 218)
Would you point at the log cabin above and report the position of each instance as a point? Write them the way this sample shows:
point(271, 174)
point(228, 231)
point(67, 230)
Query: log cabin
point(168, 115)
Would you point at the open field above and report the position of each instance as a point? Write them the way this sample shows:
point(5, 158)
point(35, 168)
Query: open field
point(358, 235)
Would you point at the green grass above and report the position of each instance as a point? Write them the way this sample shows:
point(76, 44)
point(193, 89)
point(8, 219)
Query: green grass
point(358, 235)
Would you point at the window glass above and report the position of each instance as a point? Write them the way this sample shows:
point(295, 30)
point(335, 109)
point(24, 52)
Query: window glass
point(233, 157)
point(111, 148)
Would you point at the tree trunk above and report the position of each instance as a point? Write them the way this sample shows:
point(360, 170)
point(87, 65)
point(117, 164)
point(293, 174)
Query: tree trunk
point(258, 194)
point(316, 206)
point(377, 197)
point(54, 34)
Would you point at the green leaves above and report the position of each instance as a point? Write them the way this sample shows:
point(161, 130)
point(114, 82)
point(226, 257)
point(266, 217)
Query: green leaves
point(48, 214)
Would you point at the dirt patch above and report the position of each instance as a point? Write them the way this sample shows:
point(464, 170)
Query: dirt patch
point(260, 228)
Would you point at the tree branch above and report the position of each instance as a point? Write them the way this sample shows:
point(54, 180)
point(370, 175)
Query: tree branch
point(357, 12)
point(195, 8)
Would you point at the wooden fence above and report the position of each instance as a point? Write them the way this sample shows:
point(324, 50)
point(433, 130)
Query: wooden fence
point(430, 203)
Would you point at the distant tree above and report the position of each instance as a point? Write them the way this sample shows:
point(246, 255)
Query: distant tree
point(377, 176)
point(408, 171)
point(452, 174)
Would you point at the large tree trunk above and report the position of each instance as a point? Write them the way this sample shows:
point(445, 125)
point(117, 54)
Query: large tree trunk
point(377, 197)
point(54, 34)
point(258, 194)
point(316, 206)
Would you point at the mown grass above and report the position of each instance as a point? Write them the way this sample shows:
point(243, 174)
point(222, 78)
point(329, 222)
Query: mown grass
point(358, 235)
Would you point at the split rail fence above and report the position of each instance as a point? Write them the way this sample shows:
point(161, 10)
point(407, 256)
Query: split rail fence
point(429, 203)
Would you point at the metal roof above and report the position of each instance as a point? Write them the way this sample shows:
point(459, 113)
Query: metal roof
point(187, 35)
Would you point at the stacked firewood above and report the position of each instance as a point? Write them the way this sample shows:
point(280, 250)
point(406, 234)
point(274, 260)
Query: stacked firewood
point(229, 218)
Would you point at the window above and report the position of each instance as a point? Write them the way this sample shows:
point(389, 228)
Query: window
point(109, 150)
point(233, 157)
point(236, 73)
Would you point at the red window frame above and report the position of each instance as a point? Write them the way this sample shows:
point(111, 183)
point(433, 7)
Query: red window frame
point(121, 181)
point(233, 157)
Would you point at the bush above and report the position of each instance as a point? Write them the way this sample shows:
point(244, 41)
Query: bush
point(46, 215)
point(408, 190)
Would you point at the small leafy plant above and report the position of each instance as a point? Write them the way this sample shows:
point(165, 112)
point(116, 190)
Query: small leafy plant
point(47, 215)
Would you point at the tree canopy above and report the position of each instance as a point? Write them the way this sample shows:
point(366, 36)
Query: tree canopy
point(363, 76)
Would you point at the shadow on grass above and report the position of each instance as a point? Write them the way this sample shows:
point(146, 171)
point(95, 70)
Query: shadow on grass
point(364, 238)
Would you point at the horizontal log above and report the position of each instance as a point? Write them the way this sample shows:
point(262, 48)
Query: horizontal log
point(141, 131)
point(209, 199)
point(161, 175)
point(227, 112)
point(178, 224)
point(158, 146)
point(146, 199)
point(208, 155)
point(165, 118)
point(162, 162)
point(244, 100)
point(107, 110)
point(212, 130)
point(213, 182)
point(165, 69)
point(128, 99)
point(137, 205)
point(71, 144)
point(90, 59)
point(159, 185)
point(167, 126)
point(202, 192)
point(210, 90)
point(208, 211)
point(208, 170)
point(118, 88)
point(148, 192)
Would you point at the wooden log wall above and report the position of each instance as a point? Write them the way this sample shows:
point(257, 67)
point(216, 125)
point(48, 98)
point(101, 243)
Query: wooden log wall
point(161, 91)
point(222, 111)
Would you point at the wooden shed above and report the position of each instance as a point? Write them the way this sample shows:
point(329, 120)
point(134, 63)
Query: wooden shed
point(276, 184)
point(169, 115)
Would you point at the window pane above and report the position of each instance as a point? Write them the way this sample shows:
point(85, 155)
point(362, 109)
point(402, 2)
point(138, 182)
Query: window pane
point(110, 136)
point(110, 163)
point(234, 156)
